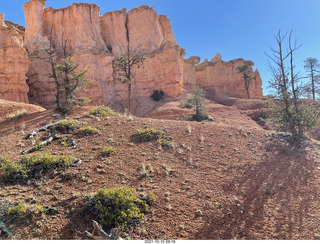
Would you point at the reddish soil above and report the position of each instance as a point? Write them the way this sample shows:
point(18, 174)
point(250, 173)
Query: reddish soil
point(230, 170)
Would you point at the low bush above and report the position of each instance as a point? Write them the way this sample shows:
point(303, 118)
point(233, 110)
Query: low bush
point(107, 151)
point(18, 210)
point(20, 213)
point(103, 111)
point(189, 103)
point(66, 141)
point(66, 126)
point(116, 207)
point(88, 131)
point(165, 143)
point(157, 95)
point(29, 167)
point(148, 135)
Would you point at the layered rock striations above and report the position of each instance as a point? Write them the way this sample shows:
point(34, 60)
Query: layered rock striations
point(189, 72)
point(14, 63)
point(94, 42)
point(219, 77)
point(77, 28)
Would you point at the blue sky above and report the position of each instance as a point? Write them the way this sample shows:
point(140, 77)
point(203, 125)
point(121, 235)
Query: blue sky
point(233, 28)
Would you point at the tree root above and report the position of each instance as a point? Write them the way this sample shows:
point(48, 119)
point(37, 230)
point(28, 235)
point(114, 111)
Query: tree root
point(44, 128)
point(102, 234)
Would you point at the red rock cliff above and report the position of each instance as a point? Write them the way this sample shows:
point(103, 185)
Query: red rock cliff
point(14, 63)
point(217, 76)
point(94, 42)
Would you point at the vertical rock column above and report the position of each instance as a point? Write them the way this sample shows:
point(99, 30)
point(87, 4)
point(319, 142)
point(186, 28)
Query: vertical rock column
point(14, 64)
point(42, 87)
point(34, 26)
point(78, 28)
point(189, 72)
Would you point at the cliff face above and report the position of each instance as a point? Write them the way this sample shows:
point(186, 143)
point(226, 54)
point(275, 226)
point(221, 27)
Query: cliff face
point(94, 42)
point(219, 77)
point(14, 63)
point(189, 72)
point(150, 35)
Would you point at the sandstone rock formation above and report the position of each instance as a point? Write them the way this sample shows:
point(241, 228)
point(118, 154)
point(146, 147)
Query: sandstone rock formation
point(220, 77)
point(189, 72)
point(94, 42)
point(14, 63)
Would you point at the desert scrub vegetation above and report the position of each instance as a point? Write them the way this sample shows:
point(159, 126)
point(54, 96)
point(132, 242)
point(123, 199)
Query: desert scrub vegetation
point(108, 151)
point(67, 142)
point(103, 111)
point(116, 207)
point(15, 214)
point(157, 95)
point(148, 134)
point(165, 143)
point(65, 126)
point(30, 167)
point(88, 131)
point(145, 170)
point(188, 103)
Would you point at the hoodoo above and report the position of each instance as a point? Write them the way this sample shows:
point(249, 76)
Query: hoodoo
point(14, 63)
point(94, 42)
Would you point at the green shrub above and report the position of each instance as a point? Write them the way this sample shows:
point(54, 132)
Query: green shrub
point(157, 95)
point(116, 207)
point(108, 151)
point(148, 135)
point(103, 111)
point(19, 213)
point(28, 167)
point(66, 126)
point(189, 103)
point(66, 141)
point(18, 210)
point(12, 171)
point(165, 142)
point(88, 131)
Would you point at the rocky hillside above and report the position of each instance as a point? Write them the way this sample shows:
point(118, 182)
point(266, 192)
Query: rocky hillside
point(222, 179)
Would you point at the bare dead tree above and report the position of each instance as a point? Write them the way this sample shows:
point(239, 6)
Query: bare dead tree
point(286, 83)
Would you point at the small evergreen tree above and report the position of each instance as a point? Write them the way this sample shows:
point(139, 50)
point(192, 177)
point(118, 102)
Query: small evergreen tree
point(124, 68)
point(72, 81)
point(198, 99)
point(289, 112)
point(66, 78)
point(247, 75)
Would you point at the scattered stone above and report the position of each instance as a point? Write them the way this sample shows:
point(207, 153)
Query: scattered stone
point(198, 213)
